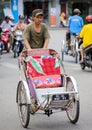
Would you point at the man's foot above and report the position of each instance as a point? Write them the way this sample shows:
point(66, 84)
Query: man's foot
point(71, 54)
point(81, 61)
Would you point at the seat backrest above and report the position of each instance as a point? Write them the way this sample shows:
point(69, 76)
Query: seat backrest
point(43, 65)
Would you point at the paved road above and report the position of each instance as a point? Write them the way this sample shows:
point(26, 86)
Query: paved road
point(9, 77)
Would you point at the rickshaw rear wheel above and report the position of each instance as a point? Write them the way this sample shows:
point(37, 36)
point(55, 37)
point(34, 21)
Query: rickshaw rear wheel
point(62, 55)
point(73, 112)
point(74, 104)
point(23, 107)
point(76, 57)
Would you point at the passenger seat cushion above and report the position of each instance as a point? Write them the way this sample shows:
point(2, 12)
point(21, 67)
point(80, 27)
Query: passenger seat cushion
point(42, 66)
point(47, 81)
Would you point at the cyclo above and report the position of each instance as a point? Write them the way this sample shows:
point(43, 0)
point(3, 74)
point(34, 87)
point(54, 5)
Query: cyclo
point(45, 86)
point(65, 49)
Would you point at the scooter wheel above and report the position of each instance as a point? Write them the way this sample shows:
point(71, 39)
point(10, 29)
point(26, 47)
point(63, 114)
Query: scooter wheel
point(82, 66)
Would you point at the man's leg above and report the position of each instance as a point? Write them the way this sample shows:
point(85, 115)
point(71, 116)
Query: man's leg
point(72, 45)
point(82, 53)
point(11, 40)
point(21, 46)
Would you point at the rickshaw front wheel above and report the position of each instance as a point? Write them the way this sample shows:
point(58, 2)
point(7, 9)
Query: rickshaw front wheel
point(23, 107)
point(73, 111)
point(73, 107)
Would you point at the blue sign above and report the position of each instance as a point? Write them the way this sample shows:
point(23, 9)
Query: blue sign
point(14, 6)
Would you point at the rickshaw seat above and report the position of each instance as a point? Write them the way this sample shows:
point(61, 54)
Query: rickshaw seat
point(46, 71)
point(49, 81)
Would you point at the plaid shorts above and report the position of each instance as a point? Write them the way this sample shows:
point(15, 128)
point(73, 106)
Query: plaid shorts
point(72, 40)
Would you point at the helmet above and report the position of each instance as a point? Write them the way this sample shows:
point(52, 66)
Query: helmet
point(11, 17)
point(89, 18)
point(21, 17)
point(76, 11)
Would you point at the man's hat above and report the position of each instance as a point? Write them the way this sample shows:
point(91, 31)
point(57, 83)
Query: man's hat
point(37, 12)
point(76, 11)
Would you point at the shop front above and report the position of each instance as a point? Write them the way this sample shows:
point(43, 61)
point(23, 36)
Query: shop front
point(4, 4)
point(84, 6)
point(51, 9)
point(30, 5)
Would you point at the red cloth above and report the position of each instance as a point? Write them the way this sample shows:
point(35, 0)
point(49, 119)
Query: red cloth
point(48, 81)
point(47, 64)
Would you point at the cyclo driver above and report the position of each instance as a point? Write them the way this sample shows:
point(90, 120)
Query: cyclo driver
point(36, 34)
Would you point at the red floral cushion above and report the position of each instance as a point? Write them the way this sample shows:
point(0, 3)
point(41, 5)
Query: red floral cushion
point(47, 67)
point(45, 71)
point(48, 81)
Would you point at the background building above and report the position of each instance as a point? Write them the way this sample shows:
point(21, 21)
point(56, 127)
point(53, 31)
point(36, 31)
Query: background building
point(52, 9)
point(85, 7)
point(4, 4)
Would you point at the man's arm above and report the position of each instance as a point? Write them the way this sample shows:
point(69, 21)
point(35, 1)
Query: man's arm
point(46, 37)
point(26, 37)
point(15, 27)
point(46, 43)
point(27, 45)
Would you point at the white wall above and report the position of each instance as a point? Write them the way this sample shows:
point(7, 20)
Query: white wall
point(55, 4)
point(20, 7)
point(58, 12)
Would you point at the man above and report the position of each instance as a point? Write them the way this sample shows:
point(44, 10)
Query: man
point(36, 34)
point(75, 25)
point(11, 21)
point(19, 26)
point(86, 35)
point(6, 23)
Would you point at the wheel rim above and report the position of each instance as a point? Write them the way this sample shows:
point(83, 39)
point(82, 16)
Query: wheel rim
point(22, 105)
point(72, 109)
point(82, 66)
point(76, 57)
point(73, 106)
point(62, 55)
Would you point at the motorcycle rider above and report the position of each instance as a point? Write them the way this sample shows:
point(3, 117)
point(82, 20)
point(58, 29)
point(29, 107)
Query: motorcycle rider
point(12, 21)
point(75, 25)
point(6, 23)
point(86, 35)
point(36, 34)
point(19, 26)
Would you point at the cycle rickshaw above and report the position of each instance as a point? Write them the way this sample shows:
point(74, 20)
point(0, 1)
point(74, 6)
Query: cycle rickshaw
point(44, 86)
point(65, 49)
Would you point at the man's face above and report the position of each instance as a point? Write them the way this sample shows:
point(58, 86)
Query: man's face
point(7, 20)
point(38, 19)
point(21, 20)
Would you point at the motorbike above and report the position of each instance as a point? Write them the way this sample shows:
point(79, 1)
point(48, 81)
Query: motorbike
point(87, 58)
point(1, 47)
point(5, 39)
point(1, 43)
point(18, 43)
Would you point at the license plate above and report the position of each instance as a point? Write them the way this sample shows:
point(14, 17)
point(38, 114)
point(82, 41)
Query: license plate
point(60, 97)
